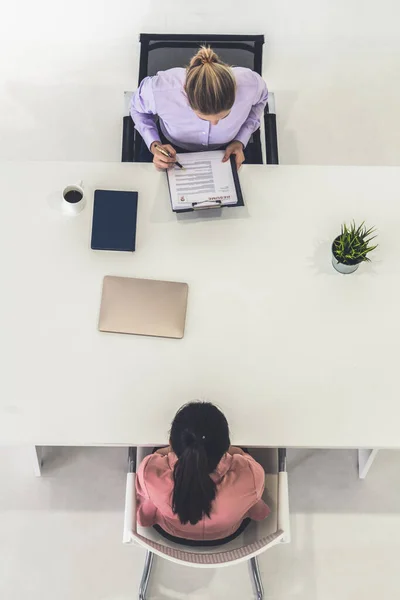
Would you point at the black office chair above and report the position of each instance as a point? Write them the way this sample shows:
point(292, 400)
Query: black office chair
point(159, 52)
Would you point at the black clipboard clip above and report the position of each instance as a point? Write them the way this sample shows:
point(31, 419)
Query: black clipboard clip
point(206, 204)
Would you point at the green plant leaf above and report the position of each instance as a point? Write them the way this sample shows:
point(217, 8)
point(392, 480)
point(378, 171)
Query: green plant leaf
point(354, 243)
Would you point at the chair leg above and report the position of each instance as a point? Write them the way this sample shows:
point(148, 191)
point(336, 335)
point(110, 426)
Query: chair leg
point(255, 572)
point(148, 563)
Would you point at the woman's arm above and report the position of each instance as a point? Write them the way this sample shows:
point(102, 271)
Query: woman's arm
point(146, 510)
point(252, 122)
point(143, 112)
point(144, 115)
point(260, 510)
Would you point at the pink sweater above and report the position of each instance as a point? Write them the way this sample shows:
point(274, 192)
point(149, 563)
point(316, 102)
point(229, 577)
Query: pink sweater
point(240, 485)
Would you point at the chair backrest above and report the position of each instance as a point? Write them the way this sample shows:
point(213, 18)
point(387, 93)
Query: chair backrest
point(163, 51)
point(219, 557)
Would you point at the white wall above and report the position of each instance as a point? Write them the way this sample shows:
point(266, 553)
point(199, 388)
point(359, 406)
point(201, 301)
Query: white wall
point(333, 64)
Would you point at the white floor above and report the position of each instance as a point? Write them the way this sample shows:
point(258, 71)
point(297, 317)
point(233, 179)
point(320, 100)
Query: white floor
point(60, 536)
point(334, 67)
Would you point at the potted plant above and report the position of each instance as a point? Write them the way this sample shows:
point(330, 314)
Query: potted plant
point(351, 247)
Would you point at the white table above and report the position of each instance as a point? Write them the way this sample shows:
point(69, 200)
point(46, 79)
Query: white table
point(294, 353)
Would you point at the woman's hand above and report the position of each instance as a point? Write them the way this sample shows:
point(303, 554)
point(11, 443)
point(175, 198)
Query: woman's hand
point(160, 161)
point(235, 148)
point(164, 451)
point(235, 450)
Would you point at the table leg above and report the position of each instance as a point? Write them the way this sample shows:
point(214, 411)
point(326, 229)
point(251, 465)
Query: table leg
point(365, 459)
point(36, 454)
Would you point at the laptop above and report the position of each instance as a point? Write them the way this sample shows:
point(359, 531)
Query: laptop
point(143, 307)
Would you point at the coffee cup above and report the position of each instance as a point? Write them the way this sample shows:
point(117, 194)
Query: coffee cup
point(73, 199)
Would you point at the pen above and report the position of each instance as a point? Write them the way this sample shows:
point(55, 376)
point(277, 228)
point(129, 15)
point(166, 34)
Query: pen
point(166, 153)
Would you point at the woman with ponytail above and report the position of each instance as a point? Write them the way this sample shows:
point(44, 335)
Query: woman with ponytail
point(200, 490)
point(207, 106)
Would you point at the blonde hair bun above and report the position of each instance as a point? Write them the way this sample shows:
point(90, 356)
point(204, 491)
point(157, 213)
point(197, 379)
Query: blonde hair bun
point(203, 57)
point(210, 84)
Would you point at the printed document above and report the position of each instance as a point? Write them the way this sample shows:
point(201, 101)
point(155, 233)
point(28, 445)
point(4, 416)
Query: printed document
point(204, 181)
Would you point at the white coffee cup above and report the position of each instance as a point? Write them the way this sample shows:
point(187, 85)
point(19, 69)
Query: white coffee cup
point(73, 199)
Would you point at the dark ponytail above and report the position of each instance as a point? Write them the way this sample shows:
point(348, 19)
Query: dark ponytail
point(199, 437)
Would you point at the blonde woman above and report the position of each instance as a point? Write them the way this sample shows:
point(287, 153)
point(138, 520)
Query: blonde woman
point(207, 106)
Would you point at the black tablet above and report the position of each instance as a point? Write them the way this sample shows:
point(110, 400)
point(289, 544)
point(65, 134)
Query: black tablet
point(114, 220)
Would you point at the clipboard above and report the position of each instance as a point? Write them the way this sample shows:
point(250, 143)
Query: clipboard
point(207, 204)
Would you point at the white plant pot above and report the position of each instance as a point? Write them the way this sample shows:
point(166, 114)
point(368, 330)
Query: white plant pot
point(344, 269)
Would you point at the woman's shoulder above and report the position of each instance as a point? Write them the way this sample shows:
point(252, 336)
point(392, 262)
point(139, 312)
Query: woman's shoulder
point(166, 81)
point(154, 478)
point(236, 464)
point(156, 465)
point(244, 464)
point(245, 473)
point(246, 77)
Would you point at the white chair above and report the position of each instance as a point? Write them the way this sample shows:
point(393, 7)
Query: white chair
point(257, 537)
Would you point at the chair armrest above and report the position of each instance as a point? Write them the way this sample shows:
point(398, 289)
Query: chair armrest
point(283, 496)
point(271, 103)
point(271, 138)
point(132, 459)
point(281, 460)
point(130, 497)
point(128, 140)
point(127, 103)
point(130, 509)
